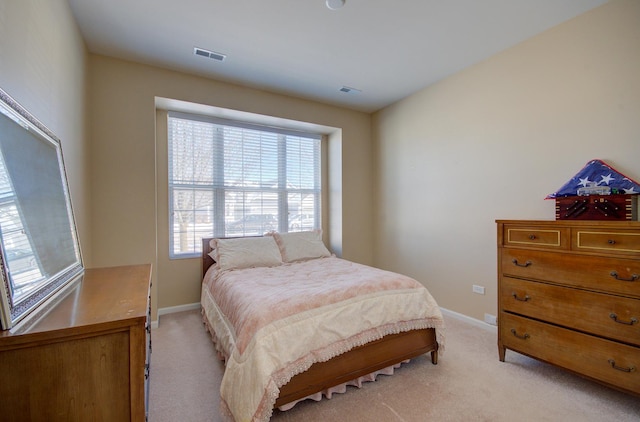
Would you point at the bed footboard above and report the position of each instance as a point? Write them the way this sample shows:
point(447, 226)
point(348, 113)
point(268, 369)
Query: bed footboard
point(360, 361)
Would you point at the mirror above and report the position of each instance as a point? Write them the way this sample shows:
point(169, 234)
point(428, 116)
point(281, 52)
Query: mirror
point(39, 248)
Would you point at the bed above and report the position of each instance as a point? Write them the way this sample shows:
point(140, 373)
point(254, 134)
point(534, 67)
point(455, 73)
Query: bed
point(286, 349)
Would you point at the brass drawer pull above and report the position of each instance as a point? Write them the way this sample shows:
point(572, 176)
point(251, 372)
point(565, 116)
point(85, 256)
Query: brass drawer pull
point(526, 264)
point(523, 337)
point(615, 275)
point(615, 318)
point(532, 237)
point(611, 242)
point(620, 368)
point(525, 299)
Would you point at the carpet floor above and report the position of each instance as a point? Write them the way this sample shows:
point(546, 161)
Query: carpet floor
point(469, 383)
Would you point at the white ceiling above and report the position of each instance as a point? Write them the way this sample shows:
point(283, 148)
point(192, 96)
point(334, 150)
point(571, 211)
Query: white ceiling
point(387, 49)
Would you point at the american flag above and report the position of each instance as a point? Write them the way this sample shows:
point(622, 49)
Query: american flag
point(597, 173)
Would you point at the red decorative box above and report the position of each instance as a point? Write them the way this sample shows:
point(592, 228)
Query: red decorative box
point(598, 207)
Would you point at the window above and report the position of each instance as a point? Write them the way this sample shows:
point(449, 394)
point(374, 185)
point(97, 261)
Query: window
point(229, 179)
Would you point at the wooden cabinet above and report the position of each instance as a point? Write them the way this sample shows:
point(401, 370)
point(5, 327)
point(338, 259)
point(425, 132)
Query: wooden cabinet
point(86, 359)
point(569, 294)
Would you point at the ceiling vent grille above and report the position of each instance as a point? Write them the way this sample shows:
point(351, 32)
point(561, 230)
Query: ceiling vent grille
point(349, 90)
point(210, 54)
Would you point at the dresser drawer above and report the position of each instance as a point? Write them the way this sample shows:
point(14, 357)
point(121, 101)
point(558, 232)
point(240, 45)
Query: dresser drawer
point(600, 359)
point(606, 241)
point(604, 274)
point(534, 236)
point(614, 317)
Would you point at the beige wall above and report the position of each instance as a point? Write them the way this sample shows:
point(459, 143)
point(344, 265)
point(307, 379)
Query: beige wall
point(492, 141)
point(128, 202)
point(507, 131)
point(43, 67)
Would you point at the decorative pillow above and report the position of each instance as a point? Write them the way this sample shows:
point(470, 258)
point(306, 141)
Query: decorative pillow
point(299, 246)
point(247, 252)
point(213, 244)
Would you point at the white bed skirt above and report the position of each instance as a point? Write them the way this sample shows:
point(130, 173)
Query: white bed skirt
point(342, 388)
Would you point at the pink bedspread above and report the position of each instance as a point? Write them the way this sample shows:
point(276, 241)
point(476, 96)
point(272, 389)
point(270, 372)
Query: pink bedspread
point(272, 323)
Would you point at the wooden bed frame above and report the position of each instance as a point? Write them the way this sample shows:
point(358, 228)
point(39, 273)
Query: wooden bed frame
point(362, 360)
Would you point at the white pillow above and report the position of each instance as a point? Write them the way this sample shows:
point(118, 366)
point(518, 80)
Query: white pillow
point(247, 252)
point(213, 244)
point(299, 246)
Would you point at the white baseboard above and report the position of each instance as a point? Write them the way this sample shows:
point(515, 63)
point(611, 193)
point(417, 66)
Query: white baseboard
point(470, 320)
point(173, 310)
point(447, 312)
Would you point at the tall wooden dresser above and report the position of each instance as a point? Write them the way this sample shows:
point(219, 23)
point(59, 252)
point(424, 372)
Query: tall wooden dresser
point(87, 359)
point(569, 294)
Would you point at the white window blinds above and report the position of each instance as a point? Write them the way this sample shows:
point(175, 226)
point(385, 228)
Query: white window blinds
point(234, 179)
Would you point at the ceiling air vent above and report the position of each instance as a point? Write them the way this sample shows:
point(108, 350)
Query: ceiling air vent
point(350, 90)
point(210, 54)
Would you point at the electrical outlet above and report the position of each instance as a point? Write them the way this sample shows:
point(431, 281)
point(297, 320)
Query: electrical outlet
point(490, 319)
point(478, 289)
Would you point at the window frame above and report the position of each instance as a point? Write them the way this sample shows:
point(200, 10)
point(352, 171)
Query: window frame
point(218, 221)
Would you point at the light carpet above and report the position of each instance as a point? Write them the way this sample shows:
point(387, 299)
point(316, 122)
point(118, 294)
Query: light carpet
point(469, 383)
